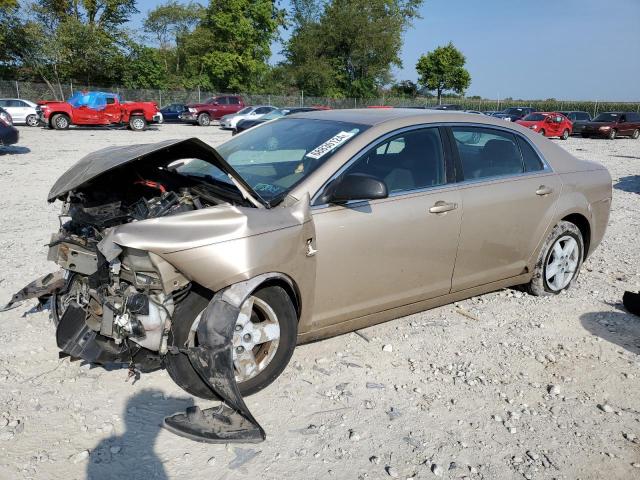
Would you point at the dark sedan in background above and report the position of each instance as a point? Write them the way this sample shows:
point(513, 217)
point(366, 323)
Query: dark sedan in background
point(280, 112)
point(8, 133)
point(512, 114)
point(579, 120)
point(171, 113)
point(613, 124)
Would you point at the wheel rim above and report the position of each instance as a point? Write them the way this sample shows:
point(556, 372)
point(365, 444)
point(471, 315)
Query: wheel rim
point(256, 337)
point(612, 134)
point(32, 120)
point(562, 263)
point(542, 132)
point(61, 122)
point(565, 134)
point(205, 120)
point(636, 134)
point(138, 123)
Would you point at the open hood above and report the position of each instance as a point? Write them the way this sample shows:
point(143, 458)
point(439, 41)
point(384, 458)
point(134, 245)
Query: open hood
point(97, 163)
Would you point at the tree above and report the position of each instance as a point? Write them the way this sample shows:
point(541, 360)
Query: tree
point(405, 88)
point(232, 44)
point(347, 47)
point(442, 70)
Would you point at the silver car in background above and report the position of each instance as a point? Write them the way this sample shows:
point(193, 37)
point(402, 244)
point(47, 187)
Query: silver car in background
point(254, 112)
point(22, 111)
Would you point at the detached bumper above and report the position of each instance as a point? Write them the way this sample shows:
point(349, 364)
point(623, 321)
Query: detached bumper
point(157, 118)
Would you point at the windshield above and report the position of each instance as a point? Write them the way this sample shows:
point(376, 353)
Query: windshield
point(607, 117)
point(274, 157)
point(514, 111)
point(534, 117)
point(245, 110)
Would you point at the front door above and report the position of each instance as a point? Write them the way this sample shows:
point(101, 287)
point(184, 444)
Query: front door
point(508, 196)
point(380, 254)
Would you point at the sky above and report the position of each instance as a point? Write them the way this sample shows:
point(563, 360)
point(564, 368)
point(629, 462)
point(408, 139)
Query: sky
point(563, 49)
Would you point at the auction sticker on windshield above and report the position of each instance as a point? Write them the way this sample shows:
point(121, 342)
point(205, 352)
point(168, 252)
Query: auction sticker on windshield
point(330, 144)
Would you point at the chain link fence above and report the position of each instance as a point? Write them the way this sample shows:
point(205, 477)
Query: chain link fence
point(41, 91)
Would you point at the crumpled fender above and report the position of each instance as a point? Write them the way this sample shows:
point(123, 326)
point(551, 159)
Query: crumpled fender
point(213, 361)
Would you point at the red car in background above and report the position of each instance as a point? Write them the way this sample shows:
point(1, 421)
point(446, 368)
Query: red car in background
point(97, 108)
point(212, 109)
point(548, 124)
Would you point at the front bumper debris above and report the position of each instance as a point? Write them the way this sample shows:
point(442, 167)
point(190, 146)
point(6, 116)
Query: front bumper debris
point(42, 288)
point(213, 361)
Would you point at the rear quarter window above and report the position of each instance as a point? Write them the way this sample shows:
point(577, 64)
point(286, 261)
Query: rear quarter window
point(532, 162)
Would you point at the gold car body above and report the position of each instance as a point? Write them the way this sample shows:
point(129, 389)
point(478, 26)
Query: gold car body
point(357, 264)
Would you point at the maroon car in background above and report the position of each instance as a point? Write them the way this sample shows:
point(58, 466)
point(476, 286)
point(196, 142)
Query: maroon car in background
point(212, 109)
point(613, 124)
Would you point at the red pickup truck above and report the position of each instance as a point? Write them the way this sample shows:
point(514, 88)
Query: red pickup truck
point(97, 108)
point(212, 109)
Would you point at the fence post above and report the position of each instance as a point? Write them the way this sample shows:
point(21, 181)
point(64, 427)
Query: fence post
point(17, 89)
point(302, 98)
point(198, 93)
point(160, 95)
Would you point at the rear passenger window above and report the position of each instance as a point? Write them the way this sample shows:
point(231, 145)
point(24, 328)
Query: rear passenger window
point(223, 101)
point(234, 101)
point(532, 162)
point(485, 152)
point(409, 161)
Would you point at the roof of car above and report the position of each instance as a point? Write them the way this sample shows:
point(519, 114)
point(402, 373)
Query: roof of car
point(374, 116)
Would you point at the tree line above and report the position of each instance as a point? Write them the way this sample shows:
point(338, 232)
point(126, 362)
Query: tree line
point(333, 48)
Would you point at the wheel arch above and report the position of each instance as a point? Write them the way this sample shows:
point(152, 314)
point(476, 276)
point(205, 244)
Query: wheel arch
point(584, 226)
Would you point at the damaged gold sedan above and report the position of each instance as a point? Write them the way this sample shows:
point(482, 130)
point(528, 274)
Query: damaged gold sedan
point(215, 263)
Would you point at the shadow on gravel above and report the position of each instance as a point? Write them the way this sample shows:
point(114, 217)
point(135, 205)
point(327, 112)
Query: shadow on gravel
point(621, 328)
point(131, 455)
point(13, 150)
point(629, 184)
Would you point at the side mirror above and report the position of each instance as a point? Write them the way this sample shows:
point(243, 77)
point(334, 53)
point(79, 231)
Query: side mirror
point(355, 186)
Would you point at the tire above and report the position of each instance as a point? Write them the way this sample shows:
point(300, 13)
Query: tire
point(204, 120)
point(541, 132)
point(565, 135)
point(584, 135)
point(60, 121)
point(613, 133)
point(635, 134)
point(179, 367)
point(32, 120)
point(563, 234)
point(138, 123)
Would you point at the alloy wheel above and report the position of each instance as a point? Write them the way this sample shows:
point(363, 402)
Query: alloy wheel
point(562, 263)
point(256, 337)
point(32, 121)
point(137, 123)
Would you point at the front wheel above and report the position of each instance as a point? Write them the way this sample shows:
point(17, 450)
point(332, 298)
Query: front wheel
point(264, 339)
point(613, 133)
point(559, 261)
point(32, 120)
point(204, 120)
point(60, 121)
point(138, 123)
point(565, 135)
point(542, 132)
point(636, 134)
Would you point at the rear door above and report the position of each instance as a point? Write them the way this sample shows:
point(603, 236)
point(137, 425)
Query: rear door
point(380, 254)
point(18, 110)
point(508, 195)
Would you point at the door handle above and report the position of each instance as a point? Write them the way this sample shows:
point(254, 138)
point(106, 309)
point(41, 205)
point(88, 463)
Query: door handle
point(543, 190)
point(442, 207)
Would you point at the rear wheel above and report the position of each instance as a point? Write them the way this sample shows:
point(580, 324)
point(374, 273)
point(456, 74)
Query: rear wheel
point(60, 121)
point(559, 261)
point(204, 120)
point(264, 340)
point(32, 121)
point(613, 133)
point(636, 134)
point(138, 123)
point(565, 135)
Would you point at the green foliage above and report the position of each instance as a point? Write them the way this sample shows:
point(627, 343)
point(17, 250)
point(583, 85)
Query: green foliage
point(145, 69)
point(405, 88)
point(442, 70)
point(347, 47)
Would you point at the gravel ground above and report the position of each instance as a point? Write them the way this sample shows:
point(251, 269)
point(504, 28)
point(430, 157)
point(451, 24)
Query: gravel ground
point(500, 386)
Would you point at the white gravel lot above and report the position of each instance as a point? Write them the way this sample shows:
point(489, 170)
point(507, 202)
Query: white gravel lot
point(535, 388)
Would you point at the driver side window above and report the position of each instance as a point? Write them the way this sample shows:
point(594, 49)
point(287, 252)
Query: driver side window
point(409, 161)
